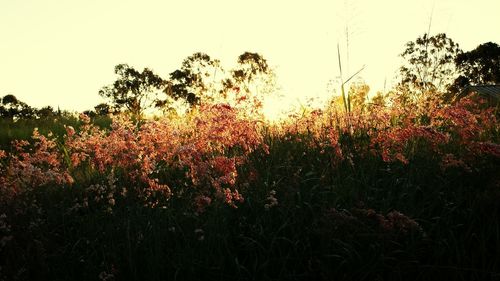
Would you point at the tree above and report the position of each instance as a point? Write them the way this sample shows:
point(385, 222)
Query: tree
point(203, 79)
point(430, 64)
point(253, 69)
point(46, 112)
point(477, 67)
point(102, 109)
point(133, 91)
point(11, 108)
point(196, 79)
point(10, 99)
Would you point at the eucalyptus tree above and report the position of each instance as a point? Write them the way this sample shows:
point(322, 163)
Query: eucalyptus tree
point(134, 91)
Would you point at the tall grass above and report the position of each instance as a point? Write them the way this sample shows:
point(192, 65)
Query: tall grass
point(387, 194)
point(22, 129)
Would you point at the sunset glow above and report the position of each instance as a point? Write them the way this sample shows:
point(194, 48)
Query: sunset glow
point(249, 140)
point(61, 53)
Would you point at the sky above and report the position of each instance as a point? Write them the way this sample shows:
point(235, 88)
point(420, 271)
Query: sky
point(61, 52)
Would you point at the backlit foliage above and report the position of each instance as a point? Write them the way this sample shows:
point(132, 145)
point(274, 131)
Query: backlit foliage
point(211, 143)
point(221, 158)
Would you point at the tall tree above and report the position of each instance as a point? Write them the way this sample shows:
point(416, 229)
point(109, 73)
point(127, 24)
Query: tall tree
point(203, 79)
point(198, 78)
point(11, 108)
point(477, 67)
point(429, 64)
point(133, 91)
point(253, 69)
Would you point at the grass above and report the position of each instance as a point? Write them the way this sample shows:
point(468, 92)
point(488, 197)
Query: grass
point(22, 129)
point(357, 219)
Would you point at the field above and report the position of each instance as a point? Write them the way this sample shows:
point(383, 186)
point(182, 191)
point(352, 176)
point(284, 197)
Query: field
point(388, 192)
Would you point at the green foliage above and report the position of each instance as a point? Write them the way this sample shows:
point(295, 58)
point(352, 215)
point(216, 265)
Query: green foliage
point(22, 129)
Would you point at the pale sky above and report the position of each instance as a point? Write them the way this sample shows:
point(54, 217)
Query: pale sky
point(60, 53)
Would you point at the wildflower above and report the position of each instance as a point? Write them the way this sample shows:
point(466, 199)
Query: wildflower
point(84, 118)
point(231, 197)
point(70, 131)
point(401, 158)
point(202, 202)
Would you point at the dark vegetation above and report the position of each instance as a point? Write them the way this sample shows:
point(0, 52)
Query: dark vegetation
point(404, 186)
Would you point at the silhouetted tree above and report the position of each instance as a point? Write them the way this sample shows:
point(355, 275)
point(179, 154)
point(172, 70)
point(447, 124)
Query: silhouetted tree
point(253, 69)
point(203, 79)
point(45, 112)
point(12, 108)
point(477, 67)
point(430, 64)
point(10, 99)
point(196, 79)
point(133, 91)
point(102, 109)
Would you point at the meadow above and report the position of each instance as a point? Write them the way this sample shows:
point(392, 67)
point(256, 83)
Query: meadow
point(397, 191)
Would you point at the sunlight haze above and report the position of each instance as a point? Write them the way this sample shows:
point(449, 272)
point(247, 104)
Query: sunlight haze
point(60, 53)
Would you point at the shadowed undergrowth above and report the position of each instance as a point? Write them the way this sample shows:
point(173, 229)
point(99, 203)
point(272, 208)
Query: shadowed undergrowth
point(387, 194)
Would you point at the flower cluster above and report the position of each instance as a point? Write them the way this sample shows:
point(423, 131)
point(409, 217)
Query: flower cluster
point(395, 143)
point(356, 221)
point(217, 142)
point(209, 144)
point(33, 165)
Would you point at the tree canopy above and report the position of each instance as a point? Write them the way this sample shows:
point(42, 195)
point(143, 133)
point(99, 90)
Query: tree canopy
point(202, 78)
point(195, 79)
point(11, 108)
point(429, 64)
point(134, 91)
point(253, 69)
point(477, 67)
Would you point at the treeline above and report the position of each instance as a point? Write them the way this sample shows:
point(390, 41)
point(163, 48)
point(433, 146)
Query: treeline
point(437, 65)
point(200, 79)
point(433, 66)
point(11, 108)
